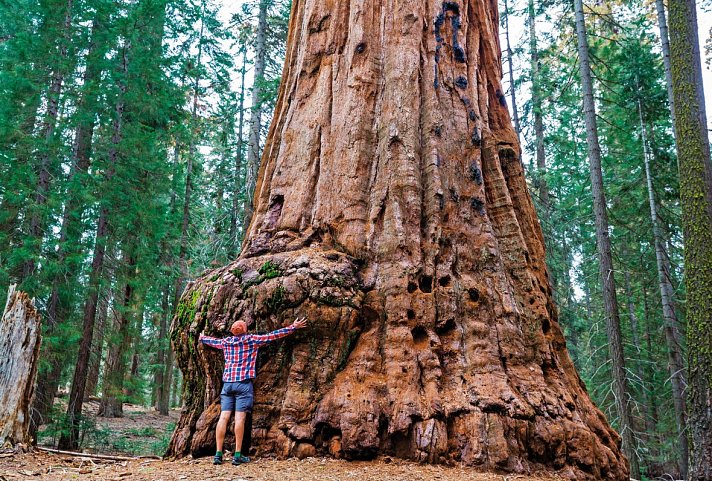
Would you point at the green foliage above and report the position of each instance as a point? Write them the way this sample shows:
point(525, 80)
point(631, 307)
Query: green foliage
point(148, 87)
point(628, 72)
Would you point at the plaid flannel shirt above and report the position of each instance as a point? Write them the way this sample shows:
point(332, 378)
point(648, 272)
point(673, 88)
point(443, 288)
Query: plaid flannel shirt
point(241, 352)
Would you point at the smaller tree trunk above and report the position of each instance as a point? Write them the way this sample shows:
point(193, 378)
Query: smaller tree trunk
point(650, 367)
point(541, 185)
point(160, 394)
point(676, 364)
point(603, 244)
point(176, 395)
point(665, 44)
point(234, 236)
point(115, 368)
point(510, 65)
point(20, 336)
point(97, 347)
point(634, 328)
point(253, 145)
point(47, 132)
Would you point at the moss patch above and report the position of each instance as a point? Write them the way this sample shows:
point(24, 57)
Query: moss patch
point(269, 270)
point(276, 300)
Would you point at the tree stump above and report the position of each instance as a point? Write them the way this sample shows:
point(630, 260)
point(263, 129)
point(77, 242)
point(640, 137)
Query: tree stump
point(391, 209)
point(20, 337)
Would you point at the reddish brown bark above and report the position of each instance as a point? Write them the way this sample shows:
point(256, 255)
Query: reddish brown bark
point(391, 210)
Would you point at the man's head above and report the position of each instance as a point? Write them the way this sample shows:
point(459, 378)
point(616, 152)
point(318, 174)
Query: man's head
point(238, 328)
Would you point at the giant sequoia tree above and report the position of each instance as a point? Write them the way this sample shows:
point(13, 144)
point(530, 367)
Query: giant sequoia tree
point(391, 210)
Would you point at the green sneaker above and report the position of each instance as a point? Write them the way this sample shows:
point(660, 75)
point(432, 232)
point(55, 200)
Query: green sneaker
point(217, 459)
point(237, 460)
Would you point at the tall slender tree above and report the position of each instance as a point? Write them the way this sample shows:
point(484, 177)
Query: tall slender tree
point(537, 112)
point(603, 242)
point(510, 65)
point(676, 363)
point(253, 144)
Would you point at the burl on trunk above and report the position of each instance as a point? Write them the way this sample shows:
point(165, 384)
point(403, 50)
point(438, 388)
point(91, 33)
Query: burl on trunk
point(392, 211)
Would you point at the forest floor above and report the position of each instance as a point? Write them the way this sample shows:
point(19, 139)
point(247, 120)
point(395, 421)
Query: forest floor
point(51, 467)
point(142, 431)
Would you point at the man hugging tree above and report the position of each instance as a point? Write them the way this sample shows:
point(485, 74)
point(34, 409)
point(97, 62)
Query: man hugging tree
point(240, 351)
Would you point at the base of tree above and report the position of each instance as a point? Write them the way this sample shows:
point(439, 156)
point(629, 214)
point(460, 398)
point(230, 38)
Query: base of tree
point(358, 383)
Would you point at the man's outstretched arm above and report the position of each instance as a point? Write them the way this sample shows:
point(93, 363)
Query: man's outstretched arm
point(211, 341)
point(261, 339)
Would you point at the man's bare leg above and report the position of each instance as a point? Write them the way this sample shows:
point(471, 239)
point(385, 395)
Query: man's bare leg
point(222, 429)
point(239, 430)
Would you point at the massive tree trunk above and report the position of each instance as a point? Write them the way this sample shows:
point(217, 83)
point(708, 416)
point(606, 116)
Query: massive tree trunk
point(20, 335)
point(391, 210)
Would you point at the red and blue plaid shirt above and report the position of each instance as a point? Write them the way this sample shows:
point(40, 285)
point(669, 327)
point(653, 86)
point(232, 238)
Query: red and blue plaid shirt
point(241, 352)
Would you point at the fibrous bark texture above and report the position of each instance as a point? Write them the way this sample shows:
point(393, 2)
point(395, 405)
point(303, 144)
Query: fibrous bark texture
point(392, 211)
point(20, 336)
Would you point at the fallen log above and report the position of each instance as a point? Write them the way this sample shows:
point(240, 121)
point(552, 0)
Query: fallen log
point(96, 456)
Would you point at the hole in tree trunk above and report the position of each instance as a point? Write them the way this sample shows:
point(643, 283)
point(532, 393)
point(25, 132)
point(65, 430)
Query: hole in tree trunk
point(412, 286)
point(444, 281)
point(411, 314)
point(275, 210)
point(426, 284)
point(474, 294)
point(420, 335)
point(446, 328)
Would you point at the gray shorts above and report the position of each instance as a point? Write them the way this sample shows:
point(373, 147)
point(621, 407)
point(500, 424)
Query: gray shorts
point(237, 396)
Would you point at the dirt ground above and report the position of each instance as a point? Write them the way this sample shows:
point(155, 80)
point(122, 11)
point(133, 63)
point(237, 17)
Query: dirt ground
point(55, 467)
point(143, 431)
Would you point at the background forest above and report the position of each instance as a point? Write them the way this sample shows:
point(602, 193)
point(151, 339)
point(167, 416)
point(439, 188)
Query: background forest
point(130, 137)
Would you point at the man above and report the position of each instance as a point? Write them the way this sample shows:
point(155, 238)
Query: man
point(240, 351)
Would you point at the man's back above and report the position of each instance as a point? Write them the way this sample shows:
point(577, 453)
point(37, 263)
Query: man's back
point(240, 352)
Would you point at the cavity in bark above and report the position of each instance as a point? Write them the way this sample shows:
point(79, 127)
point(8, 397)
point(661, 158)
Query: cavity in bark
point(475, 173)
point(478, 205)
point(473, 294)
point(425, 283)
point(476, 137)
point(419, 333)
point(501, 97)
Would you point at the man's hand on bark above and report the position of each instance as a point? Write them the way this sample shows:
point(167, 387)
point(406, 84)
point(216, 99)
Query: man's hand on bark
point(300, 323)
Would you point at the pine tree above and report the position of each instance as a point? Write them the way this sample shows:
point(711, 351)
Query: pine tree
point(693, 154)
point(607, 276)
